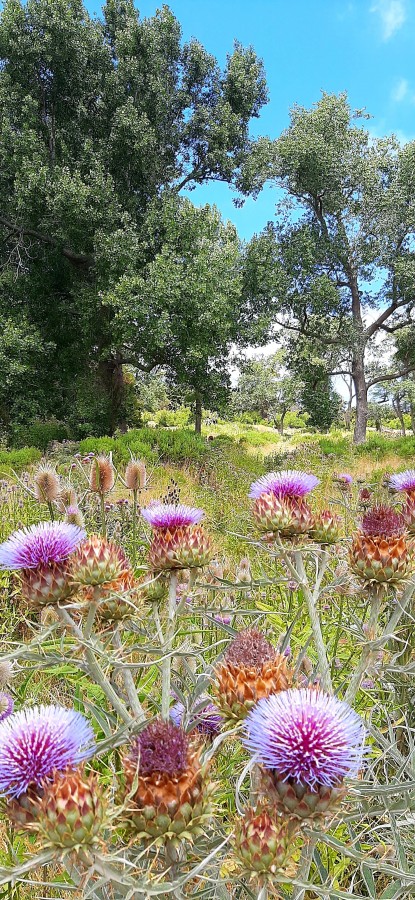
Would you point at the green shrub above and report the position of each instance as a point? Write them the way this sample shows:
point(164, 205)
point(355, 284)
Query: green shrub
point(336, 446)
point(40, 434)
point(18, 459)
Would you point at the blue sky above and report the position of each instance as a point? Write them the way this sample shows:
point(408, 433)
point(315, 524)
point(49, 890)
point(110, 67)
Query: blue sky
point(365, 47)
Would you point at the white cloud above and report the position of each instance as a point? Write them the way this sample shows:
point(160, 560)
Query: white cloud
point(392, 14)
point(400, 91)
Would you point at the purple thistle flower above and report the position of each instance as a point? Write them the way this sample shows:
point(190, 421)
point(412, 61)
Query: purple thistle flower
point(6, 706)
point(344, 478)
point(36, 742)
point(168, 515)
point(161, 747)
point(383, 521)
point(40, 545)
point(287, 483)
point(306, 735)
point(206, 720)
point(403, 481)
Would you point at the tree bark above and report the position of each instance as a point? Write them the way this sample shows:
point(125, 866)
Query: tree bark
point(198, 414)
point(412, 414)
point(399, 414)
point(281, 422)
point(111, 371)
point(359, 379)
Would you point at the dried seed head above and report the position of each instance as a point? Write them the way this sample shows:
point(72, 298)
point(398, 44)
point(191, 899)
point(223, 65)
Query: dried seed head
point(47, 486)
point(102, 475)
point(136, 475)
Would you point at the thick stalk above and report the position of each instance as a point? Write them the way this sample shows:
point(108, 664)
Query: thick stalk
point(129, 683)
point(134, 553)
point(166, 665)
point(371, 645)
point(263, 893)
point(97, 674)
point(311, 599)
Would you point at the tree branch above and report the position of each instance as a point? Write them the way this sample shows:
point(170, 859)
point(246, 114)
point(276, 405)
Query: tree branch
point(77, 259)
point(371, 329)
point(391, 377)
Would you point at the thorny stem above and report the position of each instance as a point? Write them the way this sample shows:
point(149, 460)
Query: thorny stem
point(128, 680)
point(304, 867)
point(94, 667)
point(166, 665)
point(311, 599)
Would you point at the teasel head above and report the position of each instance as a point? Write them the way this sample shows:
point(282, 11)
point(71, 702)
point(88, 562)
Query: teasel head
point(136, 475)
point(264, 842)
point(42, 554)
point(306, 743)
point(326, 527)
point(74, 516)
point(243, 574)
point(380, 551)
point(251, 669)
point(167, 795)
point(6, 672)
point(70, 812)
point(67, 497)
point(98, 561)
point(46, 484)
point(278, 503)
point(102, 475)
point(179, 541)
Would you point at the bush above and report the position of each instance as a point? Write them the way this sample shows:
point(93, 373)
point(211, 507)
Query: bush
point(18, 459)
point(40, 434)
point(177, 446)
point(336, 446)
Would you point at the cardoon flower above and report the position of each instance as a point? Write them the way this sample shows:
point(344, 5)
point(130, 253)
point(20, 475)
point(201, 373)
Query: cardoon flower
point(279, 505)
point(287, 483)
point(40, 545)
point(251, 669)
point(307, 736)
point(403, 481)
point(344, 478)
point(179, 542)
point(37, 742)
point(380, 551)
point(166, 793)
point(168, 515)
point(206, 720)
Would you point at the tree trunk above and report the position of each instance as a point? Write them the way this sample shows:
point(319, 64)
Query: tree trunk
point(112, 376)
point(412, 414)
point(399, 414)
point(359, 379)
point(281, 422)
point(198, 414)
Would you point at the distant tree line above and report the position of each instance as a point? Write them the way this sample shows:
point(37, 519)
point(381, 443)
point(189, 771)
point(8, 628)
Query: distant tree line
point(108, 272)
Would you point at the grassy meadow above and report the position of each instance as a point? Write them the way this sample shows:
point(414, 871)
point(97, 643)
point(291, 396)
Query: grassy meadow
point(214, 472)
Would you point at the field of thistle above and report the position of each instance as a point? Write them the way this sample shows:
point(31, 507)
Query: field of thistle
point(207, 662)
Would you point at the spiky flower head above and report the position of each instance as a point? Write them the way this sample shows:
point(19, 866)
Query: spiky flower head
point(403, 481)
point(40, 545)
point(47, 486)
point(102, 475)
point(6, 672)
point(306, 735)
point(326, 527)
point(98, 561)
point(170, 515)
point(74, 516)
point(365, 496)
point(6, 705)
point(264, 841)
point(344, 478)
point(382, 521)
point(36, 742)
point(206, 720)
point(250, 648)
point(161, 747)
point(287, 483)
point(136, 475)
point(71, 811)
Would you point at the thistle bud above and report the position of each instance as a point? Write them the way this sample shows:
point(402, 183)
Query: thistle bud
point(47, 486)
point(264, 842)
point(102, 475)
point(6, 672)
point(136, 475)
point(243, 573)
point(251, 669)
point(71, 811)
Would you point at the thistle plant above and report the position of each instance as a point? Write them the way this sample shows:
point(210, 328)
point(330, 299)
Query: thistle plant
point(220, 749)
